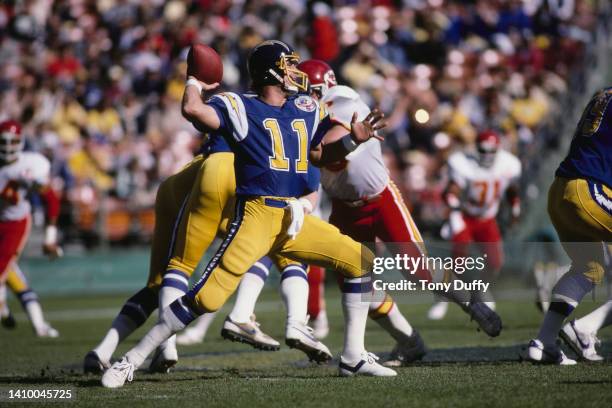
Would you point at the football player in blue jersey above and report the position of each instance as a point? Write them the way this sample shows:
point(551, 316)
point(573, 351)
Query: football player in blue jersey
point(192, 207)
point(273, 133)
point(580, 208)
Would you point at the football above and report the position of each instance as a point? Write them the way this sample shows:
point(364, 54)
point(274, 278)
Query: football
point(205, 64)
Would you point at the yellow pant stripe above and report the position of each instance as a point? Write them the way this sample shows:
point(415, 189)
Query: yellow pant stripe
point(415, 234)
point(383, 309)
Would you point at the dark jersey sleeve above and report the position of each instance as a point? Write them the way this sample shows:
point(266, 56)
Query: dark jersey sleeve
point(220, 107)
point(324, 126)
point(314, 179)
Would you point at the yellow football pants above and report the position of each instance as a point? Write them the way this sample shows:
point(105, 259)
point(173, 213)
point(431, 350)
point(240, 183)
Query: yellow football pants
point(583, 226)
point(258, 228)
point(171, 196)
point(191, 208)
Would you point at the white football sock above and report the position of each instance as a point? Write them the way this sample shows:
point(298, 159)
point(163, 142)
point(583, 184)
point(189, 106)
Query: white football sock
point(249, 290)
point(201, 325)
point(168, 325)
point(598, 318)
point(355, 305)
point(4, 310)
point(35, 314)
point(294, 292)
point(135, 311)
point(122, 327)
point(395, 324)
point(566, 295)
point(167, 295)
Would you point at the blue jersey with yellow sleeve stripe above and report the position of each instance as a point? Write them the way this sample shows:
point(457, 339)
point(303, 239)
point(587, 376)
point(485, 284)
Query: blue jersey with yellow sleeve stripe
point(270, 143)
point(590, 155)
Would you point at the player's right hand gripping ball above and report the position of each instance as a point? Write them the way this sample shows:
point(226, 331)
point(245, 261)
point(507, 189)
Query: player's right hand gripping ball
point(205, 64)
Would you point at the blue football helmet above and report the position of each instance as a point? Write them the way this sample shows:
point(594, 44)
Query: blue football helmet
point(274, 62)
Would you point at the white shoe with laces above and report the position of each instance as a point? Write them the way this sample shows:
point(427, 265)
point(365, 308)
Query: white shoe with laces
point(118, 374)
point(538, 353)
point(249, 333)
point(582, 343)
point(367, 365)
point(300, 336)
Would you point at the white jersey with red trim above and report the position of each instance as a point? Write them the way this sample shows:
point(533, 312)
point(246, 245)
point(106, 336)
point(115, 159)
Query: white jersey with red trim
point(483, 187)
point(363, 173)
point(29, 170)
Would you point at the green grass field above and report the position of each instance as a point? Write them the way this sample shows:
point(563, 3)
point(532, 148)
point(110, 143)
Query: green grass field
point(463, 369)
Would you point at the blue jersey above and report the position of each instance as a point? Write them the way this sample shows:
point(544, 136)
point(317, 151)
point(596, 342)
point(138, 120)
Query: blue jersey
point(590, 155)
point(270, 143)
point(215, 144)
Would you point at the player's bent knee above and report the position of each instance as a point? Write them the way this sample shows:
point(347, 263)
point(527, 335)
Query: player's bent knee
point(216, 290)
point(360, 268)
point(178, 264)
point(207, 301)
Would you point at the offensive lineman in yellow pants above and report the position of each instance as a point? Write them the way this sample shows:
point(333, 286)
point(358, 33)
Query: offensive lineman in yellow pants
point(580, 207)
point(170, 198)
point(273, 134)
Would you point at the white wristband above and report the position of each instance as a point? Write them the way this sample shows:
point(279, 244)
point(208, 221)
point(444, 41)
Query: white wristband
point(194, 82)
point(50, 235)
point(306, 204)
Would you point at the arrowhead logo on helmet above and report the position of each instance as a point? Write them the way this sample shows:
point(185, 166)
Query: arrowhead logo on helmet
point(320, 76)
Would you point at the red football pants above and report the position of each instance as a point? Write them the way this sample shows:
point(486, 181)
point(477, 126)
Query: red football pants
point(386, 218)
point(13, 236)
point(316, 283)
point(486, 233)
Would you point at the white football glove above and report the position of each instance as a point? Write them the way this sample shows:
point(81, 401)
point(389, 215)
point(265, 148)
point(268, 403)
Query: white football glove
point(50, 246)
point(455, 220)
point(299, 209)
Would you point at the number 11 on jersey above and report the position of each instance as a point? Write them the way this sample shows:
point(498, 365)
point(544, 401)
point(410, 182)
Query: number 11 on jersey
point(279, 160)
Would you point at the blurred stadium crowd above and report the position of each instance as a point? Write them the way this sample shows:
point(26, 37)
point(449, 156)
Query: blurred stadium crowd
point(97, 85)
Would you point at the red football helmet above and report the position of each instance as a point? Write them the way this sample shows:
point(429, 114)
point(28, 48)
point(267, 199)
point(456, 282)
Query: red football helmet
point(11, 142)
point(487, 145)
point(320, 75)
